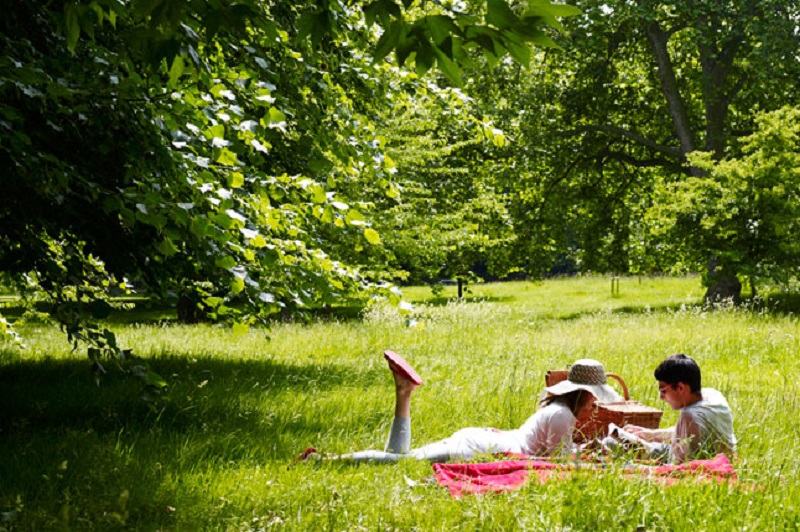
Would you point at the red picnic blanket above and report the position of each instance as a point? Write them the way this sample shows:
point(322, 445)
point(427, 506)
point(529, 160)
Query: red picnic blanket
point(508, 475)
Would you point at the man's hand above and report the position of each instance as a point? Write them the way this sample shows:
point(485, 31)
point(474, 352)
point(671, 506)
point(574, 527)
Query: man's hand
point(650, 435)
point(633, 429)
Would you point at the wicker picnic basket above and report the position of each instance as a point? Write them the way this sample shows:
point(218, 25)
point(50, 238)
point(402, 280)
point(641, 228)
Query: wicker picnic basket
point(595, 425)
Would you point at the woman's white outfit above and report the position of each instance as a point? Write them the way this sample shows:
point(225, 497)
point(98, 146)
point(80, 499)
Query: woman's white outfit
point(546, 432)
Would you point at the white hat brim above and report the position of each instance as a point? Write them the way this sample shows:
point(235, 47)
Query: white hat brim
point(602, 392)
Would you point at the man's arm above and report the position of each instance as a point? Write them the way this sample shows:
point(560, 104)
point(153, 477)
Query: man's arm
point(686, 441)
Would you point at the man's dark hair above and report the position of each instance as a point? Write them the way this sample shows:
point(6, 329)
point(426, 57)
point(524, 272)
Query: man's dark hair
point(679, 368)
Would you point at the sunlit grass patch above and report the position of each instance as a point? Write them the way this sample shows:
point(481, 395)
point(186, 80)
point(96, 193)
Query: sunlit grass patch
point(212, 453)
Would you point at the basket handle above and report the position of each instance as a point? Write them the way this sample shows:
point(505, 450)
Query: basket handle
point(622, 383)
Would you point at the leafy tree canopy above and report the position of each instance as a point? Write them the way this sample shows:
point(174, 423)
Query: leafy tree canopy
point(204, 150)
point(638, 88)
point(744, 210)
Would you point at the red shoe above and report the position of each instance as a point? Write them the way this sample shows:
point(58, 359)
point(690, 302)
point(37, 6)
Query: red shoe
point(399, 366)
point(304, 456)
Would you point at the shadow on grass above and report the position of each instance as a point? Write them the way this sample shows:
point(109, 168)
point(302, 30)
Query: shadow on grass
point(442, 301)
point(627, 309)
point(780, 303)
point(130, 311)
point(143, 311)
point(775, 304)
point(148, 312)
point(66, 440)
point(639, 309)
point(207, 400)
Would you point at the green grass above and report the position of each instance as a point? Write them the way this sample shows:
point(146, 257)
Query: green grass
point(212, 453)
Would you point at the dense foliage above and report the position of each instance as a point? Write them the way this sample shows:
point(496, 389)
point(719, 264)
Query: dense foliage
point(744, 209)
point(212, 153)
point(638, 87)
point(243, 158)
point(448, 220)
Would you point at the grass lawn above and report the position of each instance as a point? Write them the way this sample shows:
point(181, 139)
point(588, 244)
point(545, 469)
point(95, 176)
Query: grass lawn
point(213, 452)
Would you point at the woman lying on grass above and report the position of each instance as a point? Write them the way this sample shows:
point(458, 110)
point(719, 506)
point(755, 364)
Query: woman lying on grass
point(545, 433)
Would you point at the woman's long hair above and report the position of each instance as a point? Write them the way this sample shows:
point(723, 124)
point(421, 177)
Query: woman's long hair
point(574, 400)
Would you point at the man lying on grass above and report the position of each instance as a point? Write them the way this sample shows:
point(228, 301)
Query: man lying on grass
point(705, 424)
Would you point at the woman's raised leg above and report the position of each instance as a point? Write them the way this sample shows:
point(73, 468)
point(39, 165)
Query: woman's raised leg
point(399, 440)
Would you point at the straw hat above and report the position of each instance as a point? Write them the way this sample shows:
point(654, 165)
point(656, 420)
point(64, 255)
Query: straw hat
point(586, 374)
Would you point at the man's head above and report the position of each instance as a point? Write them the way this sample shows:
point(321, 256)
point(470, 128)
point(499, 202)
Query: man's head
point(678, 380)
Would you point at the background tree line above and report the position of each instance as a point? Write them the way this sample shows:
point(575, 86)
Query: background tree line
point(242, 158)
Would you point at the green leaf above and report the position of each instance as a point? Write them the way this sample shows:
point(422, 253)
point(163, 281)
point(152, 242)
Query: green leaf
point(199, 226)
point(215, 131)
point(258, 242)
point(405, 46)
point(226, 157)
point(143, 8)
point(545, 41)
point(151, 378)
point(424, 58)
point(72, 25)
point(547, 13)
point(94, 354)
point(235, 180)
point(520, 51)
point(441, 27)
point(550, 11)
point(327, 214)
point(227, 262)
point(354, 218)
point(388, 40)
point(500, 15)
point(176, 71)
point(314, 23)
point(237, 285)
point(448, 67)
point(276, 118)
point(167, 248)
point(213, 301)
point(383, 9)
point(318, 194)
point(563, 10)
point(372, 236)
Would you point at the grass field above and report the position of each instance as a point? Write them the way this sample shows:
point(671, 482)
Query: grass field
point(213, 452)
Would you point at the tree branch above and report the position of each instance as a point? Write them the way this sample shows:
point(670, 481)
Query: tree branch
point(669, 86)
point(675, 29)
point(645, 163)
point(622, 132)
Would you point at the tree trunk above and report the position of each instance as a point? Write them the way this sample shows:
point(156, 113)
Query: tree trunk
point(188, 310)
point(460, 288)
point(716, 66)
point(669, 87)
point(723, 285)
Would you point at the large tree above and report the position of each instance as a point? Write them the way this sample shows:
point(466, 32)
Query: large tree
point(642, 85)
point(201, 150)
point(745, 209)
